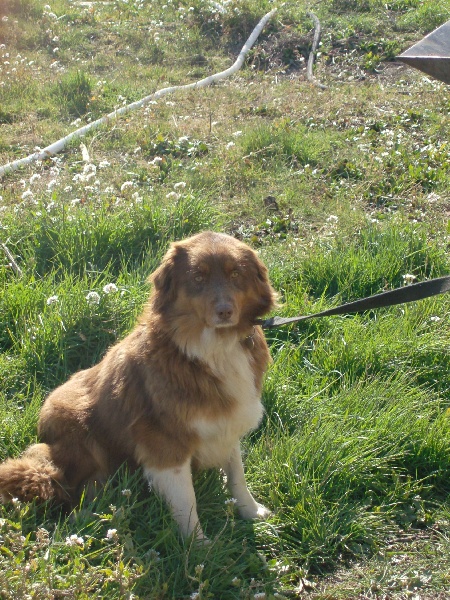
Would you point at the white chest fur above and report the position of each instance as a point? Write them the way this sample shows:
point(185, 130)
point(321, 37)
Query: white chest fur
point(228, 360)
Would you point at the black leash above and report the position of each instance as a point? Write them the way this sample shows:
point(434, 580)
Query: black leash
point(408, 293)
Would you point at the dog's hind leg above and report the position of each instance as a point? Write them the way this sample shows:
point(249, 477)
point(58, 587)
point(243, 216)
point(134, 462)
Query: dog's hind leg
point(247, 506)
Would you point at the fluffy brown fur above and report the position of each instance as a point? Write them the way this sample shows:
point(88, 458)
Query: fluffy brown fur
point(178, 392)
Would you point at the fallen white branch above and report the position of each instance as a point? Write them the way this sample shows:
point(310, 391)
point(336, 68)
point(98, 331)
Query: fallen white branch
point(315, 44)
point(62, 143)
point(12, 261)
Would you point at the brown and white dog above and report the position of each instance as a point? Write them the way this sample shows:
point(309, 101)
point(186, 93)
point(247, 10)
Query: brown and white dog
point(177, 393)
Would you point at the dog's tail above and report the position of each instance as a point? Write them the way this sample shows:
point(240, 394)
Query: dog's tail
point(33, 476)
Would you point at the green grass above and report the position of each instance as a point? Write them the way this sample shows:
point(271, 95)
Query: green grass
point(343, 192)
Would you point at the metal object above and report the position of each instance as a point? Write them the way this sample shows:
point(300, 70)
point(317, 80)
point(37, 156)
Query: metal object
point(432, 54)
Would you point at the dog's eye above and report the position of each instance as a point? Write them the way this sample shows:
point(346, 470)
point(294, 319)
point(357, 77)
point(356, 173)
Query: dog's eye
point(199, 278)
point(234, 274)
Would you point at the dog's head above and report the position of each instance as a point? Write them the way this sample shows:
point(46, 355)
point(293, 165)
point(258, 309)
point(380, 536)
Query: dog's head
point(212, 280)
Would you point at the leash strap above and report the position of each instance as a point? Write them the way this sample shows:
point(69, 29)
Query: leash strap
point(408, 293)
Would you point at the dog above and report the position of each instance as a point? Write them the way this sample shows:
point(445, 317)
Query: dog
point(177, 394)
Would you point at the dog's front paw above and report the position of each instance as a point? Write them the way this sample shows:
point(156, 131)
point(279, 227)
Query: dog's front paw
point(263, 512)
point(255, 511)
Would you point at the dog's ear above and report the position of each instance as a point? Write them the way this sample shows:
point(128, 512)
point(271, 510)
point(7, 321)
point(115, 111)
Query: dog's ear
point(166, 278)
point(163, 281)
point(162, 278)
point(265, 296)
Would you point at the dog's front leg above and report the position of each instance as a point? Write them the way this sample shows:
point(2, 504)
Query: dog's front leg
point(247, 506)
point(176, 487)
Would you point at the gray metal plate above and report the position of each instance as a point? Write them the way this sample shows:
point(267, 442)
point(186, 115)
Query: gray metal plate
point(432, 54)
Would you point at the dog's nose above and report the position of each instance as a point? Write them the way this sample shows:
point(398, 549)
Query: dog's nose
point(224, 311)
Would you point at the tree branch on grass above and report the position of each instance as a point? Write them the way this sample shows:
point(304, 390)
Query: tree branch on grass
point(12, 261)
point(315, 44)
point(62, 143)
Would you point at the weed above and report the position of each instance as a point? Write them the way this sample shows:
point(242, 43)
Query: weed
point(74, 92)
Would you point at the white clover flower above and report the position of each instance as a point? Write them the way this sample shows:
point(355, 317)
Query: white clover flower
point(153, 555)
point(173, 195)
point(156, 160)
point(180, 184)
point(333, 219)
point(435, 319)
point(28, 194)
point(89, 168)
point(104, 164)
point(433, 197)
point(93, 298)
point(183, 139)
point(126, 492)
point(237, 133)
point(111, 534)
point(74, 540)
point(230, 145)
point(110, 288)
point(218, 8)
point(52, 300)
point(230, 501)
point(259, 596)
point(409, 278)
point(51, 184)
point(84, 177)
point(126, 185)
point(34, 178)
